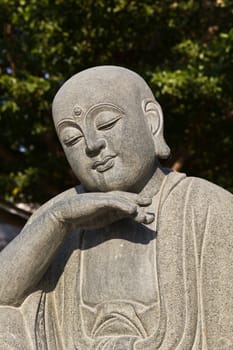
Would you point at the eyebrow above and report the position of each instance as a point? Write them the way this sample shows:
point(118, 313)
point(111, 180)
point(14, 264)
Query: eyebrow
point(67, 122)
point(104, 104)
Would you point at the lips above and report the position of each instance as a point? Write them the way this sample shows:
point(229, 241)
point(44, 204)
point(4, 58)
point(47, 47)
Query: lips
point(103, 165)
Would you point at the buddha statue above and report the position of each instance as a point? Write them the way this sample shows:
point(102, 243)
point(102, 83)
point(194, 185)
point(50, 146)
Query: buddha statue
point(138, 257)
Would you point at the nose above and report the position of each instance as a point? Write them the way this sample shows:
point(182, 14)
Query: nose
point(94, 145)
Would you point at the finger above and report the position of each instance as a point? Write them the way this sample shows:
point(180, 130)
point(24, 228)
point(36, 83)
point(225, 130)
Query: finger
point(144, 218)
point(122, 205)
point(139, 217)
point(143, 201)
point(133, 197)
point(150, 217)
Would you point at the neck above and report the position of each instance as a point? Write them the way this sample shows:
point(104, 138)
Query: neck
point(153, 185)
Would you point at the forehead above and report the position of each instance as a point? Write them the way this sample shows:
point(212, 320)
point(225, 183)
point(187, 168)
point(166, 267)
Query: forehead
point(86, 90)
point(81, 116)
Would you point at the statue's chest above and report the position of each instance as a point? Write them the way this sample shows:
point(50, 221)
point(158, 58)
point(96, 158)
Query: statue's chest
point(121, 265)
point(118, 279)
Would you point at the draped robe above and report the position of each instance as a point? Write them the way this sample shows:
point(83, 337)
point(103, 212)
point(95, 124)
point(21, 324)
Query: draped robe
point(166, 286)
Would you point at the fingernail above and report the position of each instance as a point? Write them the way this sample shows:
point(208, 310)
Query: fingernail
point(150, 218)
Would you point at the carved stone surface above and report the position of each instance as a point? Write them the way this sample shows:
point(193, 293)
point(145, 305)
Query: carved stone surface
point(137, 257)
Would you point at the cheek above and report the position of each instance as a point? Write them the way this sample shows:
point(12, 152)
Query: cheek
point(133, 137)
point(113, 138)
point(77, 159)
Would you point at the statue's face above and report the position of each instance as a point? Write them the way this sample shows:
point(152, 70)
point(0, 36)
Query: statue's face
point(108, 147)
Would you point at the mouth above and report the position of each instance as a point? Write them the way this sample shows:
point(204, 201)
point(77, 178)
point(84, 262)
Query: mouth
point(104, 165)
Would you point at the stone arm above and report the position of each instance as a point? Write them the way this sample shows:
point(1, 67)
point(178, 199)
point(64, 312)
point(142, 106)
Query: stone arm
point(26, 259)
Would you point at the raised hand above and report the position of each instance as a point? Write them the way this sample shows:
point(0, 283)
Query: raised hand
point(32, 251)
point(94, 210)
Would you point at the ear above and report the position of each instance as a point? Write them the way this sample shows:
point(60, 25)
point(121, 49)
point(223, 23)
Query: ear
point(154, 114)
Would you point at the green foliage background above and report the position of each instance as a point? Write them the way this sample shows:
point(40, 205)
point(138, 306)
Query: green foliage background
point(184, 49)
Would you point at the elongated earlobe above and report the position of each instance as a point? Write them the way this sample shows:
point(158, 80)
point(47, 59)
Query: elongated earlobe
point(154, 115)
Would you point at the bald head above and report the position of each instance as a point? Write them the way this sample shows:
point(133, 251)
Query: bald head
point(114, 89)
point(110, 84)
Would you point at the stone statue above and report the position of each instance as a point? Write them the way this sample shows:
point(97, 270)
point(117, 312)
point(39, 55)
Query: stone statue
point(137, 257)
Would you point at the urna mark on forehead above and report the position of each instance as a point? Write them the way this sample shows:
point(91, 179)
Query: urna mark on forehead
point(105, 84)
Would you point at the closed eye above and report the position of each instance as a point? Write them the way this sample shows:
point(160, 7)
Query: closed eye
point(109, 124)
point(71, 141)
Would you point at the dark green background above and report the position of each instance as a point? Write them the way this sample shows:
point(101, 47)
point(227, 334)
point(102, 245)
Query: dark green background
point(184, 50)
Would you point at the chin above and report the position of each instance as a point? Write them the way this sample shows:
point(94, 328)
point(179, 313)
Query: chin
point(107, 186)
point(113, 180)
point(112, 187)
point(117, 185)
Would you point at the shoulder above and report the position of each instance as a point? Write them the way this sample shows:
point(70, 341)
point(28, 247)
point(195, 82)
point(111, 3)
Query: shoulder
point(198, 193)
point(207, 200)
point(180, 183)
point(201, 189)
point(205, 207)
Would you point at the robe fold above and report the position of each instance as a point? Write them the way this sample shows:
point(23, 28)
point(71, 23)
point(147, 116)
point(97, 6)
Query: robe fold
point(176, 293)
